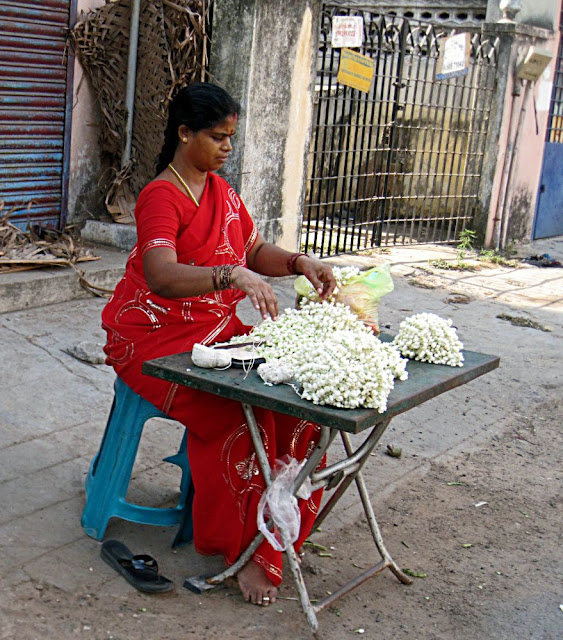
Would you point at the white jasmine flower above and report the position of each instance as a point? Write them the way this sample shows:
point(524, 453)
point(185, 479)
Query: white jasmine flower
point(429, 338)
point(337, 360)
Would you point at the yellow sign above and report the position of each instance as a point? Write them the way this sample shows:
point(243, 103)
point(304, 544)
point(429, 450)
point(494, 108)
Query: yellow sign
point(356, 70)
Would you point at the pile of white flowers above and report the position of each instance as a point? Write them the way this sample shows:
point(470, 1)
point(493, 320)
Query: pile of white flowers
point(348, 370)
point(336, 359)
point(429, 338)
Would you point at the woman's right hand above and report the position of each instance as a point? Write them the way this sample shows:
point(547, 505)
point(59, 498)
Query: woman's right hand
point(259, 291)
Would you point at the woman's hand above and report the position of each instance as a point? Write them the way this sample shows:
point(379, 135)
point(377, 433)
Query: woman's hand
point(258, 290)
point(318, 273)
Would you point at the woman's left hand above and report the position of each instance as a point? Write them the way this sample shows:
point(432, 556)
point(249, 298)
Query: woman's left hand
point(318, 273)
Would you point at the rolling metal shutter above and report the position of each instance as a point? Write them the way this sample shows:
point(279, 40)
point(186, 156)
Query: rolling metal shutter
point(34, 109)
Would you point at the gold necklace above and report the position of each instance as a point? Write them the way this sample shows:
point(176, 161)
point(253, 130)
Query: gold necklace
point(184, 184)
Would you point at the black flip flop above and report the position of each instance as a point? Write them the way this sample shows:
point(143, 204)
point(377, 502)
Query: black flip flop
point(141, 571)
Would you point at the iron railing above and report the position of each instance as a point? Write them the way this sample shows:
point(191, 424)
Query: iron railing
point(402, 163)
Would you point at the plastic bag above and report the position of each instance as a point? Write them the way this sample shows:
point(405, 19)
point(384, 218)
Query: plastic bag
point(280, 505)
point(362, 293)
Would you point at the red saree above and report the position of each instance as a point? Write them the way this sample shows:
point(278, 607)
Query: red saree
point(141, 326)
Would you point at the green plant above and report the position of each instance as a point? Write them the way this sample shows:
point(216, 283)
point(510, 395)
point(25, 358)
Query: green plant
point(466, 239)
point(495, 257)
point(449, 265)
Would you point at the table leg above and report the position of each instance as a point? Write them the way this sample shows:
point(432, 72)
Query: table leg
point(308, 468)
point(356, 461)
point(351, 467)
point(360, 458)
point(201, 583)
point(376, 533)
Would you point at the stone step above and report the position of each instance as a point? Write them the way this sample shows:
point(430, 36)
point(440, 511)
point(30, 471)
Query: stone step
point(49, 285)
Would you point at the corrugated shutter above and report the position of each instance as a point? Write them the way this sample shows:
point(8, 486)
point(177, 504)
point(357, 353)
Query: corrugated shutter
point(33, 100)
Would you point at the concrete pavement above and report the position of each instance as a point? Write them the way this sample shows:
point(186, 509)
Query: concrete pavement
point(53, 407)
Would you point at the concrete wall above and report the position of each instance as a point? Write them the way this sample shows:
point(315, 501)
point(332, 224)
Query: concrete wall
point(513, 164)
point(270, 70)
point(521, 202)
point(537, 13)
point(85, 199)
point(263, 53)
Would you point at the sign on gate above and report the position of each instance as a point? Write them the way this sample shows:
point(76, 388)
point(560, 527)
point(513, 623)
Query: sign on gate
point(454, 56)
point(347, 31)
point(355, 70)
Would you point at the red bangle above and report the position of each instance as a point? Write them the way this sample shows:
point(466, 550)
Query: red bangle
point(291, 263)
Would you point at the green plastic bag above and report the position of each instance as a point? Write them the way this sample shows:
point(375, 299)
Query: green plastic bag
point(361, 294)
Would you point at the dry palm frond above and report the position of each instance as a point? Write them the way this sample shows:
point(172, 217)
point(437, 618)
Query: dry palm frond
point(37, 247)
point(172, 52)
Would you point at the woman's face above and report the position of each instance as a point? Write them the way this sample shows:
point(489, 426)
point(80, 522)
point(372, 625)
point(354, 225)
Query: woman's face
point(208, 149)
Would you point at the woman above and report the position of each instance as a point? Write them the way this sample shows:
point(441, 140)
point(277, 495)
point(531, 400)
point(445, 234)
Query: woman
point(198, 254)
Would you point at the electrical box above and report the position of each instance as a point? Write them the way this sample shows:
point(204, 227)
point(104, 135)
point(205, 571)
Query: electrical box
point(534, 63)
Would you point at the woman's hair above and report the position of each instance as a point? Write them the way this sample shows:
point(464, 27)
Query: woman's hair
point(198, 106)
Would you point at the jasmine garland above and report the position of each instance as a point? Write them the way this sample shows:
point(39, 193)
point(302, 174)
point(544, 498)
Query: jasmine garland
point(429, 338)
point(336, 359)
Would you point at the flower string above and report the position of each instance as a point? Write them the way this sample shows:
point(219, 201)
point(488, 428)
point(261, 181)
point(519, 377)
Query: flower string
point(429, 338)
point(336, 359)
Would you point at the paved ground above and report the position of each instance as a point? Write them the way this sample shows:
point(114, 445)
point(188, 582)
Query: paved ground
point(53, 409)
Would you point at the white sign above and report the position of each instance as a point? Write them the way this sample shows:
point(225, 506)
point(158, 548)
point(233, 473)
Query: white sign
point(454, 56)
point(347, 31)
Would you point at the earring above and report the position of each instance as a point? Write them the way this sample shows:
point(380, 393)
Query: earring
point(184, 139)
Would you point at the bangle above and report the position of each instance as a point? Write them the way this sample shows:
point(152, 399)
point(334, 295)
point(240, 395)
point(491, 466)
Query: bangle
point(291, 263)
point(225, 271)
point(214, 277)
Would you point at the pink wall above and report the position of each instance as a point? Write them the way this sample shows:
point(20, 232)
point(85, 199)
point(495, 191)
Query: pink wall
point(515, 194)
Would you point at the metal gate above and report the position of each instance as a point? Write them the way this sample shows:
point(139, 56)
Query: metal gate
point(35, 109)
point(402, 163)
point(549, 213)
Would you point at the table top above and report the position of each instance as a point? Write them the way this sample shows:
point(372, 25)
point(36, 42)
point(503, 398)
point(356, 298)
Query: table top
point(425, 381)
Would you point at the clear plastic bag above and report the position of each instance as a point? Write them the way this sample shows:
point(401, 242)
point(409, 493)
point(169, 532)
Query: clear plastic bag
point(362, 293)
point(280, 505)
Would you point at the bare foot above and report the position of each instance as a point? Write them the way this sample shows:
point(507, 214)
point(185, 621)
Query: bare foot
point(255, 584)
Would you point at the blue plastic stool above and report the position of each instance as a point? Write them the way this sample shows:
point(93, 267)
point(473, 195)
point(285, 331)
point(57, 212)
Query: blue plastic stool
point(110, 471)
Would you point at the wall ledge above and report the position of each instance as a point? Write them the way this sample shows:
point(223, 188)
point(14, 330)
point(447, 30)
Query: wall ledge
point(516, 29)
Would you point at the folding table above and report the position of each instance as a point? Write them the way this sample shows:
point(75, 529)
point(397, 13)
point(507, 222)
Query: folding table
point(425, 381)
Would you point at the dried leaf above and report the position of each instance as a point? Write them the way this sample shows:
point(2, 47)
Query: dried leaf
point(415, 574)
point(37, 247)
point(315, 545)
point(393, 451)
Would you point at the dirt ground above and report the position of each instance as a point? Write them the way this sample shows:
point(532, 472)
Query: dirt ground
point(479, 524)
point(506, 585)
